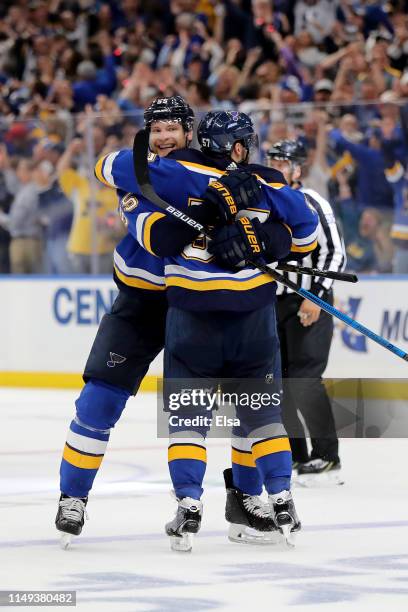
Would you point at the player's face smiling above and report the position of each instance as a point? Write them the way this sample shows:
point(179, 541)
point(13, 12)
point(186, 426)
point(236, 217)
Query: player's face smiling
point(166, 136)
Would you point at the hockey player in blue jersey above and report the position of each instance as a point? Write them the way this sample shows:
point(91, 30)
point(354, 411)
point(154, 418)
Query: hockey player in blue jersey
point(130, 336)
point(128, 339)
point(207, 292)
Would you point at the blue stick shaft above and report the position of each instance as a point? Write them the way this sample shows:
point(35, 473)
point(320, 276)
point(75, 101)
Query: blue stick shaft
point(352, 323)
point(332, 310)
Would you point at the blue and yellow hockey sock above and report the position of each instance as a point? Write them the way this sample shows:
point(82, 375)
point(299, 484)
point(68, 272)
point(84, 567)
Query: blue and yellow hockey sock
point(187, 457)
point(99, 407)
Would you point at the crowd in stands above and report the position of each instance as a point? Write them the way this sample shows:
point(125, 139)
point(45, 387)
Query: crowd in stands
point(75, 76)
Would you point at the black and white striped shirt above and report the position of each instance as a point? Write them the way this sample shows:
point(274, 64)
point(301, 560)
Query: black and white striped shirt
point(329, 254)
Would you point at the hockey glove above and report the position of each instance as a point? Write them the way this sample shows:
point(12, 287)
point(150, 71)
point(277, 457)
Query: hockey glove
point(233, 192)
point(233, 244)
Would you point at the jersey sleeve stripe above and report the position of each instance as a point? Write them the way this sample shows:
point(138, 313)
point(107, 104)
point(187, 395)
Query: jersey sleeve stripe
point(307, 239)
point(99, 171)
point(139, 227)
point(304, 249)
point(108, 168)
point(141, 233)
point(147, 228)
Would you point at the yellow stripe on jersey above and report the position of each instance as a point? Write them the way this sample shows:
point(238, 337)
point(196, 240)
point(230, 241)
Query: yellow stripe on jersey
point(98, 171)
point(277, 185)
point(242, 458)
point(267, 447)
point(304, 249)
point(208, 169)
point(214, 285)
point(80, 460)
point(288, 228)
point(187, 451)
point(140, 283)
point(147, 228)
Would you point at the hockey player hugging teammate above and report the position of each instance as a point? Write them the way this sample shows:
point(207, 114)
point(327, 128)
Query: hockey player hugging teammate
point(221, 318)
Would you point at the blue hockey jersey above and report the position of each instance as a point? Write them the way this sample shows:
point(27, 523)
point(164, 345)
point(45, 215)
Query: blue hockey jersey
point(135, 268)
point(193, 279)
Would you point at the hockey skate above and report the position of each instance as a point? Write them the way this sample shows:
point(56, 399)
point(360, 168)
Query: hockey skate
point(285, 516)
point(70, 518)
point(319, 473)
point(250, 518)
point(185, 524)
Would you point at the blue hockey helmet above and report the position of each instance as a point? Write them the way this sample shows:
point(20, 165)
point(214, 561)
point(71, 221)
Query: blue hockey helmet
point(172, 108)
point(288, 150)
point(218, 131)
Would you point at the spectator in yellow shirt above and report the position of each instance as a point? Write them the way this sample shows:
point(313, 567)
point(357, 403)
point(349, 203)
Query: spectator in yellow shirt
point(93, 231)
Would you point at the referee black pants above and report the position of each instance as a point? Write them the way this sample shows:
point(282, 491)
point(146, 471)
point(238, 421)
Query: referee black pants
point(305, 352)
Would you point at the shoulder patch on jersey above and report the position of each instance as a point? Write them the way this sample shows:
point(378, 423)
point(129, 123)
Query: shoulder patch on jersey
point(129, 202)
point(151, 156)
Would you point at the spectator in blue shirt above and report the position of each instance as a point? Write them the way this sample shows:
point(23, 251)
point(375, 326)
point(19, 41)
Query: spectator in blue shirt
point(93, 82)
point(372, 187)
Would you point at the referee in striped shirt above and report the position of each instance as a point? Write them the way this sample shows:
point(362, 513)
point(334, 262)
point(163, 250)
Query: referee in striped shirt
point(306, 333)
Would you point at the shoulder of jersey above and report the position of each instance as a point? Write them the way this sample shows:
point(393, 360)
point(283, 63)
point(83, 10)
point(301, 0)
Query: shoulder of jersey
point(194, 156)
point(270, 175)
point(189, 155)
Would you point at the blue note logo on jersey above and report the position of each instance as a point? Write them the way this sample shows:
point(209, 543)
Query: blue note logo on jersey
point(351, 338)
point(115, 359)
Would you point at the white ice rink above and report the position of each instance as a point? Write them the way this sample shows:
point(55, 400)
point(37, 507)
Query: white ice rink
point(352, 554)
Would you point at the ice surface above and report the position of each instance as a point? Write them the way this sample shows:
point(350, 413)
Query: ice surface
point(351, 555)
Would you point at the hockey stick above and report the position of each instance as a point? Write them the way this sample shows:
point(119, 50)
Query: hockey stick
point(140, 162)
point(341, 276)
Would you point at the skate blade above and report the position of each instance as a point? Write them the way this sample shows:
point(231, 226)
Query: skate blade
point(315, 481)
point(182, 543)
point(243, 534)
point(288, 536)
point(65, 540)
